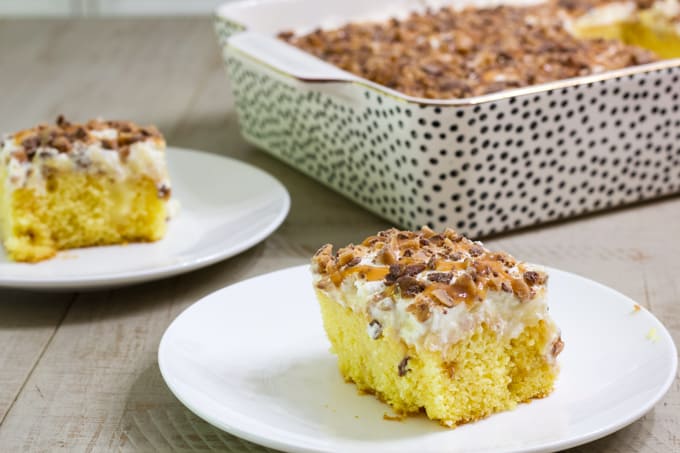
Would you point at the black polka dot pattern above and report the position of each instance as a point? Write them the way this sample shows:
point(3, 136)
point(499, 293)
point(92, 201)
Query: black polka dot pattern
point(481, 169)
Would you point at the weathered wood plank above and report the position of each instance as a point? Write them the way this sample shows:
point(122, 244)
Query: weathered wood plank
point(27, 323)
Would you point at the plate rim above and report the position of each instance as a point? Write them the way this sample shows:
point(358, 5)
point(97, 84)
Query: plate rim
point(125, 278)
point(271, 442)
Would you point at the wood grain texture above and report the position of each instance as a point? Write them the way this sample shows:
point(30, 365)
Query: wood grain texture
point(28, 322)
point(79, 373)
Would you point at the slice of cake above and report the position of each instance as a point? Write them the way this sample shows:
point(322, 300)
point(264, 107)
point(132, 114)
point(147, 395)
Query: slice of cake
point(76, 185)
point(438, 323)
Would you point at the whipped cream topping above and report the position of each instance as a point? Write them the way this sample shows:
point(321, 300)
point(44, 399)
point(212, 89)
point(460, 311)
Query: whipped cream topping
point(100, 148)
point(425, 306)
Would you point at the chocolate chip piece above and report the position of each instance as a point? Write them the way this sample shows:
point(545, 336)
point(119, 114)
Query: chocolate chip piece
point(440, 277)
point(456, 256)
point(80, 133)
point(403, 366)
point(476, 251)
point(164, 191)
point(393, 274)
point(505, 287)
point(30, 143)
point(109, 144)
point(533, 278)
point(375, 329)
point(61, 121)
point(414, 269)
point(62, 144)
point(286, 35)
point(409, 286)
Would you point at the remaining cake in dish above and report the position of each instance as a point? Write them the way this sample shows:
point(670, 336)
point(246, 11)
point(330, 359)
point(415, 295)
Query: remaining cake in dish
point(438, 323)
point(74, 185)
point(450, 53)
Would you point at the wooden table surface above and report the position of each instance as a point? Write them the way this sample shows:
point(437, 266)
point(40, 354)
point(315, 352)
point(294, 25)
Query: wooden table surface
point(78, 371)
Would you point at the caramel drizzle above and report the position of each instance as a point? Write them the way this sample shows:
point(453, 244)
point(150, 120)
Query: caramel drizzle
point(402, 256)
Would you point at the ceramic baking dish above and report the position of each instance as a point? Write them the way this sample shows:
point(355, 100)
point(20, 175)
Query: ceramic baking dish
point(481, 165)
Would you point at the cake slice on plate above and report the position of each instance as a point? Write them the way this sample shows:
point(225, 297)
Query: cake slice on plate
point(72, 185)
point(437, 323)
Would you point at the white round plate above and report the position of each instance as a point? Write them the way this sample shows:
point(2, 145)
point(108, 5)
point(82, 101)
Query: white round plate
point(253, 360)
point(226, 206)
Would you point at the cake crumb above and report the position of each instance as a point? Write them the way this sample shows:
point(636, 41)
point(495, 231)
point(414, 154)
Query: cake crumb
point(636, 308)
point(393, 418)
point(652, 335)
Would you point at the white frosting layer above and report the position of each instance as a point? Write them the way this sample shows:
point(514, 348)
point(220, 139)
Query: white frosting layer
point(145, 159)
point(500, 311)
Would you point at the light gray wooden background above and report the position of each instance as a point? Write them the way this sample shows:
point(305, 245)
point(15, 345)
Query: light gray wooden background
point(78, 371)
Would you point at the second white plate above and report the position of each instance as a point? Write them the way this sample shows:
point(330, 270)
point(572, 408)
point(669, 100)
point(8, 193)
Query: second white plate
point(226, 206)
point(253, 359)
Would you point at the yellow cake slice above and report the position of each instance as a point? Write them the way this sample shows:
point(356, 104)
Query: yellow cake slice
point(437, 323)
point(71, 185)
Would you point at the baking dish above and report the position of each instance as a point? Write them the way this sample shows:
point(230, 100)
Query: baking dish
point(483, 164)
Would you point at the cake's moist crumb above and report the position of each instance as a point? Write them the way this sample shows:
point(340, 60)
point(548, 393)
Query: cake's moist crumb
point(64, 135)
point(438, 271)
point(451, 53)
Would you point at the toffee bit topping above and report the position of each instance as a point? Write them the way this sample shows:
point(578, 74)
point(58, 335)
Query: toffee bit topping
point(438, 270)
point(441, 277)
point(521, 289)
point(375, 329)
point(409, 286)
point(457, 53)
point(420, 309)
point(443, 297)
point(64, 136)
point(403, 366)
point(414, 269)
point(476, 251)
point(534, 278)
point(456, 256)
point(557, 347)
point(393, 275)
point(354, 261)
